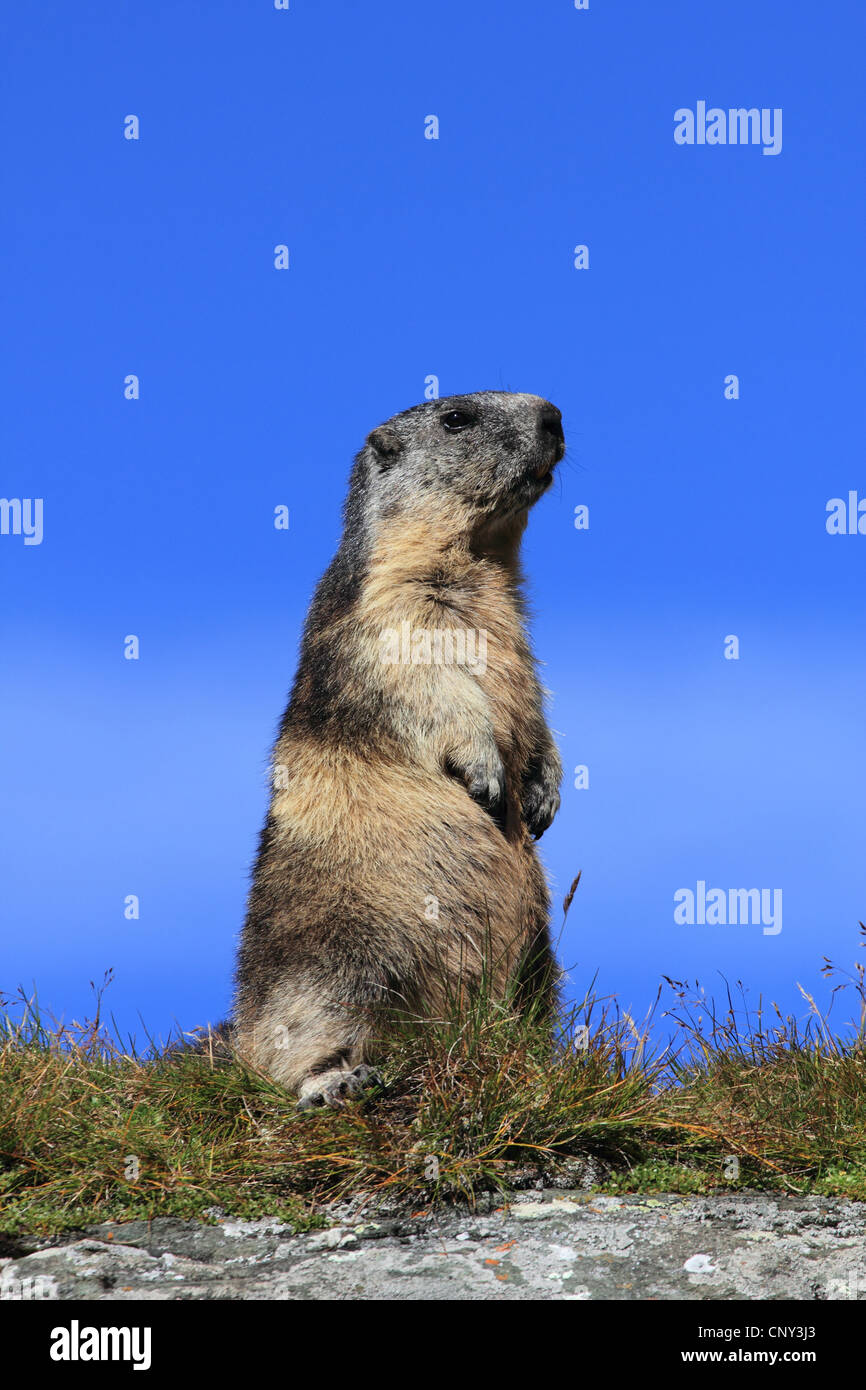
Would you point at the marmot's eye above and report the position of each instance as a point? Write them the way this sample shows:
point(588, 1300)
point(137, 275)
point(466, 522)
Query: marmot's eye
point(457, 420)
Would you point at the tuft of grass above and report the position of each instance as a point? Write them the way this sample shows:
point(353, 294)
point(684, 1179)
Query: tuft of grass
point(479, 1100)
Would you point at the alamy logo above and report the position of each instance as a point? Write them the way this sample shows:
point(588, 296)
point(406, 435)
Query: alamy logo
point(77, 1343)
point(736, 126)
point(718, 907)
point(853, 1287)
point(421, 646)
point(35, 1288)
point(22, 516)
point(846, 518)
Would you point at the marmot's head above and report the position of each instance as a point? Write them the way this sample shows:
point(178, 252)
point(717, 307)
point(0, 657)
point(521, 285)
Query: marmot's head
point(490, 455)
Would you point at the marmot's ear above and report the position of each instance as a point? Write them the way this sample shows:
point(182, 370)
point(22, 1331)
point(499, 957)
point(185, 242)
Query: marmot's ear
point(385, 443)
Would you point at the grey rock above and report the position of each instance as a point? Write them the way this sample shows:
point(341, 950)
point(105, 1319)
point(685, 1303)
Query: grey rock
point(551, 1245)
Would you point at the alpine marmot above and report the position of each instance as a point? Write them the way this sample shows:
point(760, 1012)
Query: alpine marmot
point(414, 767)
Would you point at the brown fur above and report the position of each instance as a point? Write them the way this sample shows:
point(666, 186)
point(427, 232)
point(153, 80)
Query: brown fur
point(389, 872)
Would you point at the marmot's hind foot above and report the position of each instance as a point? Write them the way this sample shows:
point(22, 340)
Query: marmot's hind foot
point(335, 1087)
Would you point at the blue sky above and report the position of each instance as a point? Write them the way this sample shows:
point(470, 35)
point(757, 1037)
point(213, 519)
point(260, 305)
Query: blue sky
point(412, 257)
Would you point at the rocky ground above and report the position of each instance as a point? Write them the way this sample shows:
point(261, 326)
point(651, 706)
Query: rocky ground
point(541, 1245)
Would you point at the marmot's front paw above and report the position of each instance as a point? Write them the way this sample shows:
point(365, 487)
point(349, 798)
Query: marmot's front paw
point(485, 782)
point(541, 799)
point(540, 805)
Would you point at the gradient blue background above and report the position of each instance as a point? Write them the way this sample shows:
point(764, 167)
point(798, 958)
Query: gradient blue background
point(412, 257)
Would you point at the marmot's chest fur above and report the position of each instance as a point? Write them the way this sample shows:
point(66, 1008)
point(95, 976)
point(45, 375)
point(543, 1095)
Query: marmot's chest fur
point(451, 607)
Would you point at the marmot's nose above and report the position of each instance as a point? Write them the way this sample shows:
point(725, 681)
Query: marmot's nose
point(551, 422)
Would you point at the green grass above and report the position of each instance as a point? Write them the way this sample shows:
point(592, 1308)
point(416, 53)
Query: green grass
point(469, 1102)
